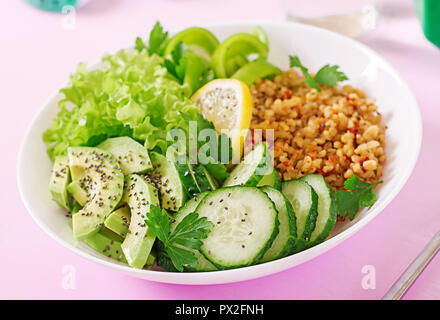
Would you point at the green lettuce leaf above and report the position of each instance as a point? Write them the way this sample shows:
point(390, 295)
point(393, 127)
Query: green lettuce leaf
point(132, 94)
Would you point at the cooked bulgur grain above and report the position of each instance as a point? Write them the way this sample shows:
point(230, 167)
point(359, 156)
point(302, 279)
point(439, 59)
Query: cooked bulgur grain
point(336, 132)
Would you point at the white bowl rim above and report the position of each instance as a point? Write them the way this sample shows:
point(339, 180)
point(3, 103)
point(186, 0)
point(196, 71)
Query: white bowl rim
point(264, 269)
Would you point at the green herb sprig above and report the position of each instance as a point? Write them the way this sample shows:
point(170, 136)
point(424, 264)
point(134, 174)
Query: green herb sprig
point(156, 40)
point(186, 236)
point(177, 65)
point(327, 75)
point(356, 194)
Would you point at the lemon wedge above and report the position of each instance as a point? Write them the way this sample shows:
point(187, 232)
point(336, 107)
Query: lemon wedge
point(228, 104)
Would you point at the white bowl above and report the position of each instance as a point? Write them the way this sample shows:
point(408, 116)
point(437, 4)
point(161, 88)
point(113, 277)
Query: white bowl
point(316, 47)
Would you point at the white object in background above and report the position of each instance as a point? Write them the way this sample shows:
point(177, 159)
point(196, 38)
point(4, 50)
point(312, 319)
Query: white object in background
point(348, 17)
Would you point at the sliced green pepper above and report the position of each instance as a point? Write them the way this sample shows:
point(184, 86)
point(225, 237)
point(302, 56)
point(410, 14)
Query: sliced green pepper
point(240, 61)
point(195, 68)
point(199, 40)
point(261, 35)
point(235, 63)
point(255, 70)
point(239, 44)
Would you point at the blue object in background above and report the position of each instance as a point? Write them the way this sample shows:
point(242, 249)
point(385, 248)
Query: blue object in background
point(52, 5)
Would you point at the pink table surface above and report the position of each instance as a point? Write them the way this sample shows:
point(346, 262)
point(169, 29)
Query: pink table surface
point(37, 55)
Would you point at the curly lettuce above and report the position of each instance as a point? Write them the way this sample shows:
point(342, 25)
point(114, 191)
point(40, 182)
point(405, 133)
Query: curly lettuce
point(131, 94)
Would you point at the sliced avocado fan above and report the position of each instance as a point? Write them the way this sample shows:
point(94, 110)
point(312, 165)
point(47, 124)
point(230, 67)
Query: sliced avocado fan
point(137, 245)
point(101, 176)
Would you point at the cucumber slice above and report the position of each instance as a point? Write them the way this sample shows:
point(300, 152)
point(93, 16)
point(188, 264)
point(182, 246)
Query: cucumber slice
point(245, 226)
point(187, 176)
point(251, 169)
point(271, 179)
point(167, 180)
point(285, 240)
point(190, 206)
point(326, 210)
point(118, 221)
point(204, 180)
point(304, 201)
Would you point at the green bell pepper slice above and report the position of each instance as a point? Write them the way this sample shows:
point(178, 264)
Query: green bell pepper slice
point(195, 68)
point(199, 40)
point(239, 44)
point(255, 70)
point(261, 35)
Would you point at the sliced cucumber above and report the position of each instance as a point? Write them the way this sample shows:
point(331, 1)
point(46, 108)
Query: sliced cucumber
point(304, 201)
point(271, 179)
point(204, 180)
point(285, 240)
point(326, 211)
point(186, 174)
point(251, 169)
point(167, 180)
point(190, 206)
point(245, 225)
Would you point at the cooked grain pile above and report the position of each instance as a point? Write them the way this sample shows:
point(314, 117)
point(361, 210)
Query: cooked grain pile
point(336, 132)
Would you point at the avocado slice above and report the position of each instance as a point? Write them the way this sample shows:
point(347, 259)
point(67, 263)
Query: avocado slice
point(59, 181)
point(105, 242)
point(186, 174)
point(102, 178)
point(118, 221)
point(166, 178)
point(132, 156)
point(139, 195)
point(77, 192)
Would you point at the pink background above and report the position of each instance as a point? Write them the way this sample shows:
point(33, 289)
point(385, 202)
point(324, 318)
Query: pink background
point(37, 54)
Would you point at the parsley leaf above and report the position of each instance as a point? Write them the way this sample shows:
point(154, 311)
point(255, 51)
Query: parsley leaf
point(159, 222)
point(311, 82)
point(214, 155)
point(177, 66)
point(356, 194)
point(139, 45)
point(218, 171)
point(327, 75)
point(185, 237)
point(157, 39)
